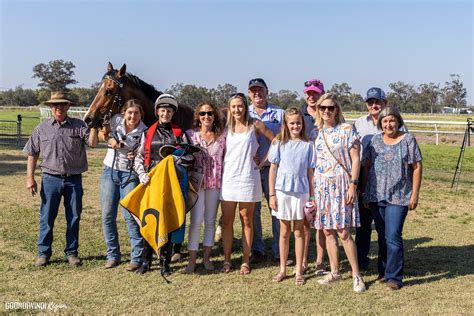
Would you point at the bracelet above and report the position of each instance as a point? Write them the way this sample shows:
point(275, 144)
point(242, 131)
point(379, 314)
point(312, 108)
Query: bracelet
point(271, 195)
point(311, 198)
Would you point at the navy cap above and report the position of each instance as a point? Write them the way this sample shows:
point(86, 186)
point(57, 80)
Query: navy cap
point(257, 82)
point(375, 93)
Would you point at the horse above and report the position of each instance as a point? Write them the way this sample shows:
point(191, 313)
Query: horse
point(118, 87)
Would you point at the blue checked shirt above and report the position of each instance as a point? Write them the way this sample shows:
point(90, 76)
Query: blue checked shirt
point(272, 118)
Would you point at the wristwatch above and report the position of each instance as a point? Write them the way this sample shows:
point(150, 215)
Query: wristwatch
point(355, 182)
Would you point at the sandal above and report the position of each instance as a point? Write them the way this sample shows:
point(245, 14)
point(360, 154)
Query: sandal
point(244, 269)
point(226, 267)
point(300, 280)
point(279, 277)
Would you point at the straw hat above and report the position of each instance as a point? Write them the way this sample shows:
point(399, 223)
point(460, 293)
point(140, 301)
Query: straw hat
point(59, 97)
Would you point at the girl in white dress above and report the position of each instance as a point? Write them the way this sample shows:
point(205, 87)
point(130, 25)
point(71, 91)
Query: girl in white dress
point(241, 178)
point(290, 186)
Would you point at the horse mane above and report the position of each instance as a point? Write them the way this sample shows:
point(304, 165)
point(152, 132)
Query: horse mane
point(149, 90)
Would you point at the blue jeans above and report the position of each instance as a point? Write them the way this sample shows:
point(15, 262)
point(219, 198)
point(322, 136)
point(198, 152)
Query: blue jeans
point(52, 189)
point(113, 187)
point(389, 220)
point(258, 245)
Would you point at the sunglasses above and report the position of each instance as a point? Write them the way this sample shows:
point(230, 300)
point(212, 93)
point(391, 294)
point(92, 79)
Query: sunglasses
point(329, 108)
point(209, 113)
point(315, 83)
point(57, 105)
point(238, 94)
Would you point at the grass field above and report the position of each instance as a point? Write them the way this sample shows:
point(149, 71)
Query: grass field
point(439, 264)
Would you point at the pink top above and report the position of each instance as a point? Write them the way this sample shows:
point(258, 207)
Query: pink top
point(210, 158)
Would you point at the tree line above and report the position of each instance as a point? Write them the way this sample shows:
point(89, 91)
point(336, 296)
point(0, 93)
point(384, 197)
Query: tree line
point(425, 98)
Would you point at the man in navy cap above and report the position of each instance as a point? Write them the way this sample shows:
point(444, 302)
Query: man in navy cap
point(366, 126)
point(272, 116)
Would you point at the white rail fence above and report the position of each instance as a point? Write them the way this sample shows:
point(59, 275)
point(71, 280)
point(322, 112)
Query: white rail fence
point(78, 112)
point(438, 127)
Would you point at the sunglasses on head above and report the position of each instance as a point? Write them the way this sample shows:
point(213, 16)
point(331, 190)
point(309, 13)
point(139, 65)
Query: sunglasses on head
point(310, 83)
point(209, 113)
point(238, 94)
point(330, 108)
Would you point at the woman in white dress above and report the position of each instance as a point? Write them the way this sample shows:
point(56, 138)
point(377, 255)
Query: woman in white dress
point(241, 178)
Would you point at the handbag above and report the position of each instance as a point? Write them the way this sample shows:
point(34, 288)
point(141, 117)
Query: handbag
point(310, 213)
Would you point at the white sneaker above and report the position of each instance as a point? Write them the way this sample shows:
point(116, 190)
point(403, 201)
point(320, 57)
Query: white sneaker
point(330, 278)
point(359, 285)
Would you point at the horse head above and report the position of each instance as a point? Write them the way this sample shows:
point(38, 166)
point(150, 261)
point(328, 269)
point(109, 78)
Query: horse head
point(117, 88)
point(108, 99)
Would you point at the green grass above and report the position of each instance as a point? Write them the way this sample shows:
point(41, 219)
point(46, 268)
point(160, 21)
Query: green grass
point(31, 118)
point(439, 268)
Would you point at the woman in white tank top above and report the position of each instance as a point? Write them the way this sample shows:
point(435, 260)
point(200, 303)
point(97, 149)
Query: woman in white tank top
point(241, 177)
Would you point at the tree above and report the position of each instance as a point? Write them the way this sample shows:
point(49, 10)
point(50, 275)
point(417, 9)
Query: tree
point(55, 76)
point(284, 99)
point(190, 94)
point(18, 97)
point(428, 97)
point(83, 96)
point(221, 94)
point(349, 100)
point(403, 93)
point(454, 93)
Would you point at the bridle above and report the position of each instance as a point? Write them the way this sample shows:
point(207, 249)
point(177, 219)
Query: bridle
point(117, 97)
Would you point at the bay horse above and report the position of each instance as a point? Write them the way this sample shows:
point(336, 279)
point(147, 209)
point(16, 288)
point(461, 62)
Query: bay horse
point(118, 87)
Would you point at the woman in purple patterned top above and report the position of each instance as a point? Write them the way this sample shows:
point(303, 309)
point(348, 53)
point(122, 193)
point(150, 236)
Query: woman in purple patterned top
point(393, 169)
point(209, 134)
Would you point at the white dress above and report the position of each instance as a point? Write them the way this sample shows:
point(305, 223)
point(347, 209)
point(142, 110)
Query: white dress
point(241, 176)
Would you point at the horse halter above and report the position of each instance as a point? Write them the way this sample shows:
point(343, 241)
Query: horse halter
point(117, 101)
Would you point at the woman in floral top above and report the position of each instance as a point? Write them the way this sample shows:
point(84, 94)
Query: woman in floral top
point(337, 150)
point(393, 165)
point(208, 133)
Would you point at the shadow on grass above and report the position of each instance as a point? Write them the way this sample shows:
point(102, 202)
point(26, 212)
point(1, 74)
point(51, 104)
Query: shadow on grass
point(11, 164)
point(434, 263)
point(431, 263)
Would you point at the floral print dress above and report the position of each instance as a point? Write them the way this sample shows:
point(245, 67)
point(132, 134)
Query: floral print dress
point(331, 182)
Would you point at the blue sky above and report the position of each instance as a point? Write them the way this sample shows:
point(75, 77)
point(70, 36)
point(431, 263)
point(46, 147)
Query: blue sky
point(206, 43)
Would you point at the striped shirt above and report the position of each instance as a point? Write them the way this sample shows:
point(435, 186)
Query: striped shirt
point(62, 147)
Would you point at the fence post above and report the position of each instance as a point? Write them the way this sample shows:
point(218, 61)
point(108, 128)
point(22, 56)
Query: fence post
point(18, 131)
point(437, 134)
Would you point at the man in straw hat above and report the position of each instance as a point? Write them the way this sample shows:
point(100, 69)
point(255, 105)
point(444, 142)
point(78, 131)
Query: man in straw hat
point(60, 141)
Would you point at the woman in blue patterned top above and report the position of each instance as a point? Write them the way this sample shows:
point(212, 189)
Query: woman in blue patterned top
point(393, 168)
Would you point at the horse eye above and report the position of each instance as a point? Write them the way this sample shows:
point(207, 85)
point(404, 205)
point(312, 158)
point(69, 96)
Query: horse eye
point(108, 93)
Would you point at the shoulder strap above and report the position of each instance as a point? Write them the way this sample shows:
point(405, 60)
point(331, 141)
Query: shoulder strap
point(334, 156)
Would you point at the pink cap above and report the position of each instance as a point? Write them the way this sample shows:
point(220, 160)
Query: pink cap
point(314, 85)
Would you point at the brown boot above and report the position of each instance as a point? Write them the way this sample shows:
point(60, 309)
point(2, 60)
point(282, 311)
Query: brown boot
point(42, 261)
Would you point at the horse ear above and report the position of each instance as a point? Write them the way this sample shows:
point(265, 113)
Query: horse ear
point(122, 71)
point(110, 67)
